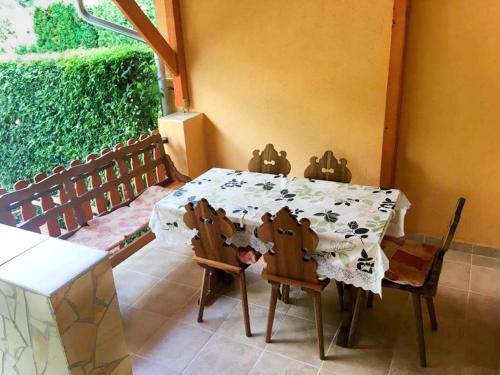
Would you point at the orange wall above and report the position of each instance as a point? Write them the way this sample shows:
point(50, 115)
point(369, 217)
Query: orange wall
point(305, 76)
point(450, 130)
point(311, 75)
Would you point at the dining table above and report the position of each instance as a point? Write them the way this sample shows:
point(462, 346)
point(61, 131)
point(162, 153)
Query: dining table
point(350, 220)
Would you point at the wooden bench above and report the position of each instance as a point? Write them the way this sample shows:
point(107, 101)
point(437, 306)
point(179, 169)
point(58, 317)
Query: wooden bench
point(103, 203)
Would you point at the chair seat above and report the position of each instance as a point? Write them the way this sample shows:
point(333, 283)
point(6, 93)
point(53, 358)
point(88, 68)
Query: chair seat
point(248, 256)
point(409, 261)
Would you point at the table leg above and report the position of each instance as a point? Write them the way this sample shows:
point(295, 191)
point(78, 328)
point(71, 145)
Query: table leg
point(355, 298)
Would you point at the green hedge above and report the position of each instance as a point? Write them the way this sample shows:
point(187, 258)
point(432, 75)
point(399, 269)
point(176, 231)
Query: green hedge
point(58, 28)
point(54, 111)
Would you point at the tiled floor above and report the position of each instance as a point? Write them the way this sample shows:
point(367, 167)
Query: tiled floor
point(158, 288)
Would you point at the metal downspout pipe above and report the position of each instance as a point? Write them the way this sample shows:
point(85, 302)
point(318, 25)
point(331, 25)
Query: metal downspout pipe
point(125, 31)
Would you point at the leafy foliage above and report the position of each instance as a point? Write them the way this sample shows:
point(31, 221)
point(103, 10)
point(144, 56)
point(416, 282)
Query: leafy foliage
point(5, 30)
point(107, 10)
point(58, 28)
point(54, 111)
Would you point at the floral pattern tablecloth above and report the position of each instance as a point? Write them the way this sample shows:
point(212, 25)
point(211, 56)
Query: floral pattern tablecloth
point(350, 220)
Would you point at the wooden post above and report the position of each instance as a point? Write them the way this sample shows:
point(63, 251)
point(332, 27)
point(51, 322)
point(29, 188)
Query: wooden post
point(400, 18)
point(169, 23)
point(171, 52)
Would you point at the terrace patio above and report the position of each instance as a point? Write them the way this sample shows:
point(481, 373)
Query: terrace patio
point(303, 256)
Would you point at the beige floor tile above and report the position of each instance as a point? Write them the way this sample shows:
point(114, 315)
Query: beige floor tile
point(448, 303)
point(275, 364)
point(458, 256)
point(131, 285)
point(326, 372)
point(175, 345)
point(443, 348)
point(143, 366)
point(477, 370)
point(127, 263)
point(221, 355)
point(358, 361)
point(257, 267)
point(488, 262)
point(485, 281)
point(157, 262)
point(234, 328)
point(139, 326)
point(301, 305)
point(187, 273)
point(482, 332)
point(455, 275)
point(213, 315)
point(185, 250)
point(166, 298)
point(375, 338)
point(259, 292)
point(296, 338)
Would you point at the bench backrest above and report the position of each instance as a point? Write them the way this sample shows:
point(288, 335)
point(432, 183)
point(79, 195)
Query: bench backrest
point(61, 203)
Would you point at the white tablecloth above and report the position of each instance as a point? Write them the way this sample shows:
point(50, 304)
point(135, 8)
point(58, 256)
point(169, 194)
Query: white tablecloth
point(350, 220)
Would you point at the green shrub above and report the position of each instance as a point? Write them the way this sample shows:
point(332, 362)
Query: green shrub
point(58, 28)
point(54, 111)
point(107, 10)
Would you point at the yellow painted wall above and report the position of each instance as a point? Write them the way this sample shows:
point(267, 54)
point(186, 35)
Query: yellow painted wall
point(304, 75)
point(311, 75)
point(450, 131)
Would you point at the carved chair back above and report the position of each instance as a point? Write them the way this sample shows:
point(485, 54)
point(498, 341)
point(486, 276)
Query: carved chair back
point(269, 161)
point(328, 168)
point(61, 203)
point(214, 228)
point(293, 242)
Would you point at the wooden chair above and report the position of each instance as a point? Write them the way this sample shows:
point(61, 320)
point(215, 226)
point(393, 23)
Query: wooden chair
point(415, 268)
point(269, 161)
point(328, 168)
point(289, 263)
point(212, 252)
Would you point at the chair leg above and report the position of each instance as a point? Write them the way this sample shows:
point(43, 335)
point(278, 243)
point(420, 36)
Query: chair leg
point(244, 303)
point(272, 309)
point(432, 313)
point(340, 292)
point(203, 293)
point(286, 294)
point(420, 328)
point(369, 302)
point(319, 323)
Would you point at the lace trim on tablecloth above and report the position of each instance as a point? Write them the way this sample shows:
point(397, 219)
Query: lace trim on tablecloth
point(366, 281)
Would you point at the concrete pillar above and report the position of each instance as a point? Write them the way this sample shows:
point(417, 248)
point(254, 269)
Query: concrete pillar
point(186, 141)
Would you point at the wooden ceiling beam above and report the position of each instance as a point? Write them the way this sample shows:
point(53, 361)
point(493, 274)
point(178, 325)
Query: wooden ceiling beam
point(400, 18)
point(150, 33)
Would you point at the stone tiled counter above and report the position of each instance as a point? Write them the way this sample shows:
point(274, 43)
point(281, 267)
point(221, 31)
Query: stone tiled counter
point(59, 312)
